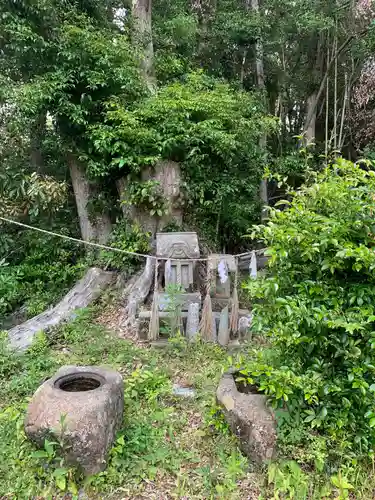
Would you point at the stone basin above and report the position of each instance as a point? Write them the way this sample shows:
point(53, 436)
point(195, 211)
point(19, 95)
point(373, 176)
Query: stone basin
point(249, 418)
point(91, 402)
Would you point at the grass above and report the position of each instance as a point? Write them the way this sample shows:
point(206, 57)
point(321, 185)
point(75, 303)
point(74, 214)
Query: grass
point(168, 447)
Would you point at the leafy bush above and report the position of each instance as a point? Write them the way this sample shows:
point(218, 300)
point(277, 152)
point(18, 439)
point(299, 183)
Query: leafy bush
point(317, 306)
point(207, 127)
point(125, 237)
point(147, 195)
point(37, 272)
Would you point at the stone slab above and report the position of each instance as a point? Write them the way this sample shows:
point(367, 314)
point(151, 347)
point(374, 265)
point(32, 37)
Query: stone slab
point(177, 245)
point(223, 334)
point(192, 324)
point(183, 392)
point(160, 343)
point(184, 299)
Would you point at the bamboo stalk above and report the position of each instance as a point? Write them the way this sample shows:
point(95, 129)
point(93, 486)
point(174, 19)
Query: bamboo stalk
point(324, 79)
point(327, 104)
point(335, 98)
point(343, 111)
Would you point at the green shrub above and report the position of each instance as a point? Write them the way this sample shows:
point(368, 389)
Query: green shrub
point(39, 275)
point(129, 237)
point(317, 306)
point(211, 130)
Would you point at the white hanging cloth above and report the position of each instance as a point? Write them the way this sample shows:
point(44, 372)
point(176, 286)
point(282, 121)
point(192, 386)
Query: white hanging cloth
point(222, 269)
point(253, 265)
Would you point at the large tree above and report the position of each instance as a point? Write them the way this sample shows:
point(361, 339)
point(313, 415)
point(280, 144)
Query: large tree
point(65, 61)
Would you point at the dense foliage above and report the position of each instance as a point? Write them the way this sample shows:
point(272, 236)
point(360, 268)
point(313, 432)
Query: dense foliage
point(77, 64)
point(38, 274)
point(212, 130)
point(317, 307)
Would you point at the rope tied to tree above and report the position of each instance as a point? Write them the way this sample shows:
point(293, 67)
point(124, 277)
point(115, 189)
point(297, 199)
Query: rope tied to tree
point(114, 249)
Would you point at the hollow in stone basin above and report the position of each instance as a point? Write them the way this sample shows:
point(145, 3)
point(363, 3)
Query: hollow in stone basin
point(246, 388)
point(79, 382)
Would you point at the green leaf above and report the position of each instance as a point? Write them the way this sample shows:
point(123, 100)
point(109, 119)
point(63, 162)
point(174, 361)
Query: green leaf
point(335, 481)
point(310, 418)
point(49, 446)
point(346, 485)
point(121, 440)
point(282, 202)
point(60, 472)
point(272, 469)
point(40, 454)
point(61, 482)
point(72, 487)
point(323, 413)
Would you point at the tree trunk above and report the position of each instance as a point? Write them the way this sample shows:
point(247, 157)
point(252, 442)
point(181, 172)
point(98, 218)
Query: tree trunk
point(142, 21)
point(95, 229)
point(205, 11)
point(127, 210)
point(142, 36)
point(311, 113)
point(259, 68)
point(166, 173)
point(242, 72)
point(36, 136)
point(138, 293)
point(103, 227)
point(87, 290)
point(324, 79)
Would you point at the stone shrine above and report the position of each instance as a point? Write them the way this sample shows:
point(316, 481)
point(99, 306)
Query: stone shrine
point(176, 276)
point(179, 246)
point(177, 297)
point(221, 292)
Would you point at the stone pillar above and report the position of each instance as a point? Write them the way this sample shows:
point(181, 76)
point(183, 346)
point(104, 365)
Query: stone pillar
point(244, 325)
point(223, 336)
point(192, 325)
point(214, 329)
